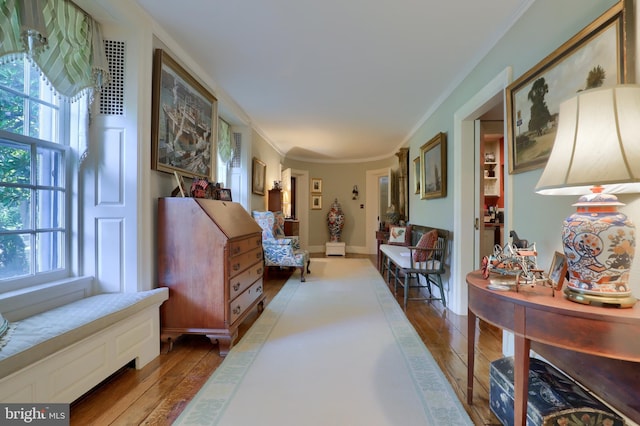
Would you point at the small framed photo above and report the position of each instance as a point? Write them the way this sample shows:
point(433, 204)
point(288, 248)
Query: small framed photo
point(557, 271)
point(224, 194)
point(316, 202)
point(316, 185)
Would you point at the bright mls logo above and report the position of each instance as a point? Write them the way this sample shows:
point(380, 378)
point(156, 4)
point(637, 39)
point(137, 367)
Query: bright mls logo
point(34, 414)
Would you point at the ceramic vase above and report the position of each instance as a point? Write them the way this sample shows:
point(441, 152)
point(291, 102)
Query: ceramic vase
point(599, 243)
point(335, 221)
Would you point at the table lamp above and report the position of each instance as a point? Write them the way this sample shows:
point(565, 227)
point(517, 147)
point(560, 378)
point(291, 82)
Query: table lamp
point(596, 153)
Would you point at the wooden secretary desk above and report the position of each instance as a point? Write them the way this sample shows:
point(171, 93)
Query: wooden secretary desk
point(210, 257)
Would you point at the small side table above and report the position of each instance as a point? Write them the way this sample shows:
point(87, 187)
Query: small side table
point(335, 249)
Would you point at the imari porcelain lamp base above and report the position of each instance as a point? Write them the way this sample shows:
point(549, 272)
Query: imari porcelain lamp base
point(599, 243)
point(597, 150)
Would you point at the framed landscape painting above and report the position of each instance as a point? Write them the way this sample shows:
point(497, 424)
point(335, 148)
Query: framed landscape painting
point(595, 57)
point(183, 121)
point(433, 167)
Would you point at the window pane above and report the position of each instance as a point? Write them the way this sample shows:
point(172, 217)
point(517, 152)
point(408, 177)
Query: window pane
point(14, 255)
point(50, 166)
point(15, 163)
point(42, 121)
point(11, 113)
point(49, 209)
point(12, 75)
point(50, 250)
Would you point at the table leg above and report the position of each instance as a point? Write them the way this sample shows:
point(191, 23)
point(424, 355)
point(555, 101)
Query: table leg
point(471, 350)
point(521, 371)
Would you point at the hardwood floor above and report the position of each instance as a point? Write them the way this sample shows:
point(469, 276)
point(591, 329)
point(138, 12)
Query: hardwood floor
point(157, 394)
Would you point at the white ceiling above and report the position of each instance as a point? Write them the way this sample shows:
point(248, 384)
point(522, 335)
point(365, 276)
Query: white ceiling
point(336, 80)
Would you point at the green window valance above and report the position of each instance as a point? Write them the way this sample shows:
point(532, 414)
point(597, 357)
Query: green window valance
point(64, 42)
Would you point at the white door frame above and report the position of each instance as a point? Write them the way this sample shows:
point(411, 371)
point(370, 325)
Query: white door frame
point(464, 211)
point(372, 196)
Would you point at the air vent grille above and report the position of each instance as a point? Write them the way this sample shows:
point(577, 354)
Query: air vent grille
point(112, 96)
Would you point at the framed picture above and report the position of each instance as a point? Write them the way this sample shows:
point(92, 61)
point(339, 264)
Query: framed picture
point(316, 202)
point(316, 185)
point(595, 57)
point(259, 176)
point(558, 271)
point(183, 121)
point(224, 194)
point(433, 167)
point(416, 175)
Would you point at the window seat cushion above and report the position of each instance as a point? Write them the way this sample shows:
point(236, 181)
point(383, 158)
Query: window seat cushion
point(43, 334)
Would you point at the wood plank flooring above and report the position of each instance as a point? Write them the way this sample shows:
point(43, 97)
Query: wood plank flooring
point(157, 394)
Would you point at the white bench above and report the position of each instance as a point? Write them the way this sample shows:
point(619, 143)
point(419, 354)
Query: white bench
point(399, 268)
point(60, 354)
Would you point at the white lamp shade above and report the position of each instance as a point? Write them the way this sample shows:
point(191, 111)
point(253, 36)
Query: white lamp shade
point(597, 143)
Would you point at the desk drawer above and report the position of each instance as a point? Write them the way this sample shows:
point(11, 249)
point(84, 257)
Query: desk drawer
point(242, 302)
point(241, 262)
point(243, 280)
point(237, 247)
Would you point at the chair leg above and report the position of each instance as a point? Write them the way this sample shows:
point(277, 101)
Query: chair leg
point(308, 263)
point(439, 284)
point(302, 278)
point(407, 279)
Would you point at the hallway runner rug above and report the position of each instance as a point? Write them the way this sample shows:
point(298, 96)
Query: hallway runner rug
point(334, 350)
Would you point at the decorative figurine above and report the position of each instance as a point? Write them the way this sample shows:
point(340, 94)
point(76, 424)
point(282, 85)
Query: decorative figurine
point(335, 221)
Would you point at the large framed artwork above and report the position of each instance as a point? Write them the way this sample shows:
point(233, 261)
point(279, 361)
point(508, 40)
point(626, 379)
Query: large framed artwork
point(183, 121)
point(259, 176)
point(595, 57)
point(433, 167)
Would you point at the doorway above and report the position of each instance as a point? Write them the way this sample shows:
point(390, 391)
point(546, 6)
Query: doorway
point(378, 200)
point(465, 228)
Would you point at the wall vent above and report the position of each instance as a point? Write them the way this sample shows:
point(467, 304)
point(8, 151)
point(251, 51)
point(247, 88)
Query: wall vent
point(112, 96)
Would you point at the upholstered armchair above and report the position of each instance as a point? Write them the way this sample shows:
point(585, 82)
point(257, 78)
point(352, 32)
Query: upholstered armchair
point(280, 250)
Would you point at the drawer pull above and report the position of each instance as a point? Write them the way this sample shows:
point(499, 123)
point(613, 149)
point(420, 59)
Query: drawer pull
point(236, 250)
point(237, 310)
point(258, 255)
point(259, 271)
point(236, 266)
point(236, 286)
point(259, 289)
point(259, 242)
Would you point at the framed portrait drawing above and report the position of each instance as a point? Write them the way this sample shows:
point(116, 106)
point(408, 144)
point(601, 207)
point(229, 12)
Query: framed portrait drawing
point(316, 185)
point(595, 57)
point(557, 271)
point(183, 121)
point(433, 167)
point(259, 176)
point(316, 202)
point(416, 175)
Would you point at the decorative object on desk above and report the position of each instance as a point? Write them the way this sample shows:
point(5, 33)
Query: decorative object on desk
point(335, 221)
point(201, 188)
point(354, 192)
point(259, 177)
point(519, 263)
point(224, 194)
point(316, 202)
point(516, 241)
point(181, 188)
point(532, 100)
point(183, 118)
point(597, 148)
point(558, 270)
point(316, 185)
point(433, 163)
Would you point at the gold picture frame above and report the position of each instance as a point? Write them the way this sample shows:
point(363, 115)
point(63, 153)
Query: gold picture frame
point(595, 57)
point(176, 95)
point(316, 202)
point(433, 167)
point(558, 271)
point(416, 175)
point(316, 185)
point(258, 177)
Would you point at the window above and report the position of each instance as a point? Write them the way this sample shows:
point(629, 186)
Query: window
point(34, 179)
